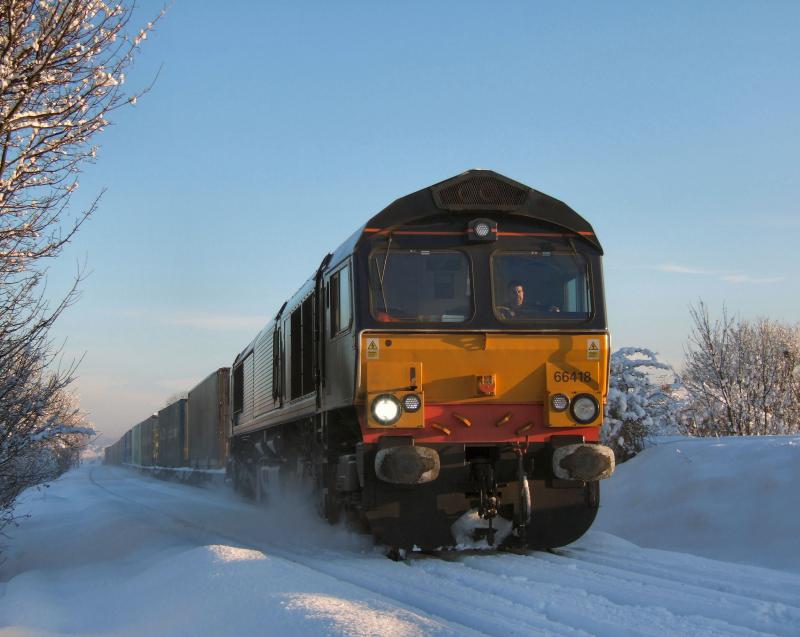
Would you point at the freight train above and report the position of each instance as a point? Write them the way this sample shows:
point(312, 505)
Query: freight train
point(445, 368)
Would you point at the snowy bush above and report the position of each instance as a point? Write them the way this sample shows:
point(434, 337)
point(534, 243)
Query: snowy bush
point(642, 401)
point(45, 442)
point(743, 377)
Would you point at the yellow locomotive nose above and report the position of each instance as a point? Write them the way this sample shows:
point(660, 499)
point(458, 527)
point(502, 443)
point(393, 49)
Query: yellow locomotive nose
point(495, 387)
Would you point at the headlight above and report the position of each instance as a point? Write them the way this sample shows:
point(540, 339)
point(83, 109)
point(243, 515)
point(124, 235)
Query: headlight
point(386, 409)
point(559, 402)
point(412, 403)
point(584, 408)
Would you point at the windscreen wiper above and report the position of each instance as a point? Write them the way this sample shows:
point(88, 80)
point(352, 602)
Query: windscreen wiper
point(382, 274)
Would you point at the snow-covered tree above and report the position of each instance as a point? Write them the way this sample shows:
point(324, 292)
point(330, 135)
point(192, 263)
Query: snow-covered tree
point(56, 432)
point(742, 376)
point(641, 400)
point(62, 66)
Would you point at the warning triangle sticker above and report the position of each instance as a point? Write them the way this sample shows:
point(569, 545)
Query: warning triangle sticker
point(372, 348)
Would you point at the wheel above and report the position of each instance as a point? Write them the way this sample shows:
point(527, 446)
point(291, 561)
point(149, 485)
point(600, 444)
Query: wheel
point(325, 491)
point(243, 483)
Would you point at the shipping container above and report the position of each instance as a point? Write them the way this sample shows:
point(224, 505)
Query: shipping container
point(171, 435)
point(121, 451)
point(136, 449)
point(149, 440)
point(126, 448)
point(208, 415)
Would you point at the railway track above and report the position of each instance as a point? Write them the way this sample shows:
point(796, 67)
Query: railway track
point(601, 586)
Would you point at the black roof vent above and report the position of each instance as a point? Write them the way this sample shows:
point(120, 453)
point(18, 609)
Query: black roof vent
point(480, 190)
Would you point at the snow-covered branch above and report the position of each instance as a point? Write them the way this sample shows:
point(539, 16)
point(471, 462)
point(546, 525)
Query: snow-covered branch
point(62, 71)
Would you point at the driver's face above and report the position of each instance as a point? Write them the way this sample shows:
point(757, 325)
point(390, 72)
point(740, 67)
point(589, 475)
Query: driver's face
point(519, 295)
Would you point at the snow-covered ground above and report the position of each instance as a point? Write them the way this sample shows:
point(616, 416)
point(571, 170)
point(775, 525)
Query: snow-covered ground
point(107, 551)
point(732, 499)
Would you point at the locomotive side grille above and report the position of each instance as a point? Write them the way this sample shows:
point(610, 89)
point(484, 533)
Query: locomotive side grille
point(479, 192)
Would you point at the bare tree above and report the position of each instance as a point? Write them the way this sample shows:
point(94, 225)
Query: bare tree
point(742, 376)
point(62, 65)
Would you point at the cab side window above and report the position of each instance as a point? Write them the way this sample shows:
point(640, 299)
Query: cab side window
point(340, 301)
point(238, 389)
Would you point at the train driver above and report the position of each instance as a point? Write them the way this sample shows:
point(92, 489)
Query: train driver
point(517, 307)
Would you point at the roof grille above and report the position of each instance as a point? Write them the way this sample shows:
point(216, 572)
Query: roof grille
point(480, 192)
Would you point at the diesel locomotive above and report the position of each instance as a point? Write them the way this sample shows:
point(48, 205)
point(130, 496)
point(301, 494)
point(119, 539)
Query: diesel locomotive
point(444, 369)
point(450, 357)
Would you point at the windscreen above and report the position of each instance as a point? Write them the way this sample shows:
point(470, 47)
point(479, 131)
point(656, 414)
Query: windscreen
point(540, 285)
point(420, 286)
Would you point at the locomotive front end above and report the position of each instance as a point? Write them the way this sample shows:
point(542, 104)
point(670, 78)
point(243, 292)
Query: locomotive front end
point(441, 377)
point(482, 370)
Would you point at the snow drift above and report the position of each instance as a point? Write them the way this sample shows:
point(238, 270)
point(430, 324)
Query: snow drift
point(732, 499)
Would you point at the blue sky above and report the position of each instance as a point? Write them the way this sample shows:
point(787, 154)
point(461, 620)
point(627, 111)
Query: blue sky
point(275, 129)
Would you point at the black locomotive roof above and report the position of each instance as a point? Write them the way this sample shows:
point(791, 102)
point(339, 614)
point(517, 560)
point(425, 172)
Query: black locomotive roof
point(472, 192)
point(476, 191)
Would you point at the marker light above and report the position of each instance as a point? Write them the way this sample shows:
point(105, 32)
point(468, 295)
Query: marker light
point(584, 408)
point(559, 402)
point(482, 229)
point(412, 403)
point(386, 409)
